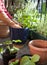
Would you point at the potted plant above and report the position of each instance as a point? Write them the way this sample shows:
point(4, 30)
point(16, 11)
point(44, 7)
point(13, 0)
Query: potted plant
point(39, 47)
point(25, 60)
point(29, 17)
point(21, 33)
point(41, 29)
point(8, 51)
point(25, 16)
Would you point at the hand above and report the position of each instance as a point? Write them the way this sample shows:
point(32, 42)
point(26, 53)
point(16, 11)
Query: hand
point(16, 26)
point(16, 22)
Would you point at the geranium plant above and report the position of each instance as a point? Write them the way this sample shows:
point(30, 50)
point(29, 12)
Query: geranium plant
point(27, 14)
point(26, 60)
point(30, 18)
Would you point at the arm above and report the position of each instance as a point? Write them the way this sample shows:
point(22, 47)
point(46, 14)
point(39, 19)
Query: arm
point(8, 21)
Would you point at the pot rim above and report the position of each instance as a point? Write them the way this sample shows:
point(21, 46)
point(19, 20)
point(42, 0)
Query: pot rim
point(36, 48)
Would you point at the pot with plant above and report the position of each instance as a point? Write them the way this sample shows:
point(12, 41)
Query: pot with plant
point(8, 51)
point(40, 31)
point(24, 19)
point(26, 16)
point(39, 47)
point(30, 18)
point(25, 60)
point(20, 34)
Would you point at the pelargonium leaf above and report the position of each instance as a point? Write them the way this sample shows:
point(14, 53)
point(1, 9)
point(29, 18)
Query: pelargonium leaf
point(25, 61)
point(35, 58)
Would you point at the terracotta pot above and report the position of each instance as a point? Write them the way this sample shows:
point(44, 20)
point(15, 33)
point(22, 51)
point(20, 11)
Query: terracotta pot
point(39, 47)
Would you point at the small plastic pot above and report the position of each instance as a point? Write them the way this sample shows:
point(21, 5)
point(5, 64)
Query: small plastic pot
point(19, 34)
point(39, 47)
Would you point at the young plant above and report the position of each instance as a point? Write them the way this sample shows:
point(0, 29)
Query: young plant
point(13, 49)
point(27, 14)
point(27, 60)
point(30, 18)
point(17, 41)
point(1, 50)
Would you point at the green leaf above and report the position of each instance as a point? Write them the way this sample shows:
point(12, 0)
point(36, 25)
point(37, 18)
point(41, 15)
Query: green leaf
point(14, 63)
point(16, 41)
point(11, 64)
point(35, 58)
point(7, 42)
point(32, 63)
point(1, 50)
point(25, 61)
point(14, 49)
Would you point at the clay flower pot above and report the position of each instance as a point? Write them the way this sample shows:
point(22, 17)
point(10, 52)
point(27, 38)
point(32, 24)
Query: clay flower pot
point(39, 47)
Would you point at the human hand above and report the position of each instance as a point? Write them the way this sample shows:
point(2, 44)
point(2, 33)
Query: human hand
point(16, 22)
point(14, 25)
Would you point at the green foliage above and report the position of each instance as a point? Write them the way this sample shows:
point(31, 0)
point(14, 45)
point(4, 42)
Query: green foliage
point(14, 63)
point(7, 42)
point(35, 58)
point(44, 8)
point(17, 41)
point(26, 15)
point(1, 50)
point(27, 60)
point(13, 49)
point(29, 17)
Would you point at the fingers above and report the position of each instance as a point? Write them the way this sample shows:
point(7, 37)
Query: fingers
point(14, 25)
